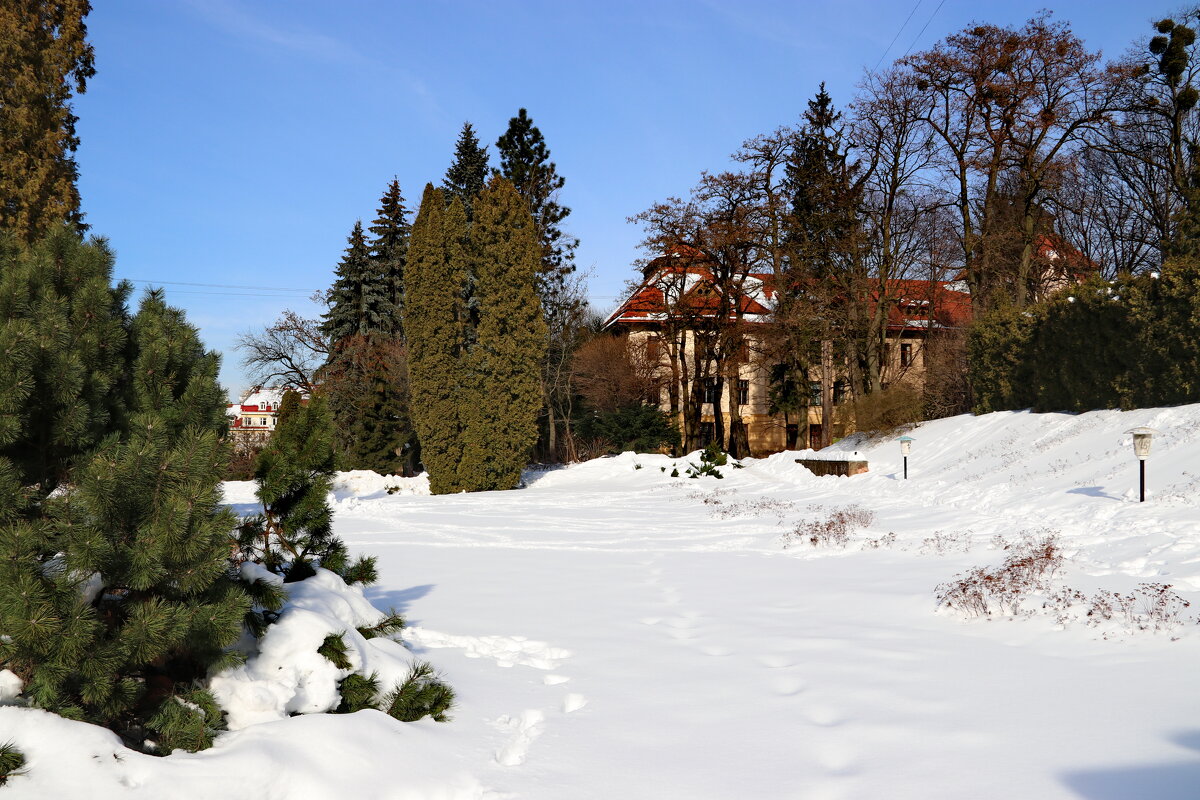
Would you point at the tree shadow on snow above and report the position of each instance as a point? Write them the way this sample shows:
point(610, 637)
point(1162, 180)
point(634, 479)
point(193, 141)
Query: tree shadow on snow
point(1172, 781)
point(397, 599)
point(1094, 491)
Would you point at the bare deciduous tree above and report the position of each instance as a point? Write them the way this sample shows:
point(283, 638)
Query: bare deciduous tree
point(289, 351)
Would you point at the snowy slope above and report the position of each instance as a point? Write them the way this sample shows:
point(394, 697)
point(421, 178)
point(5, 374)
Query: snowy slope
point(615, 632)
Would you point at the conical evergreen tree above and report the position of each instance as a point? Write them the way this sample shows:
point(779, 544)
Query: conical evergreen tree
point(501, 423)
point(358, 303)
point(435, 323)
point(468, 174)
point(389, 251)
point(46, 59)
point(525, 162)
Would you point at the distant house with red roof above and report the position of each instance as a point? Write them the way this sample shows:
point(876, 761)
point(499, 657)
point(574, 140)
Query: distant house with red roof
point(678, 290)
point(252, 420)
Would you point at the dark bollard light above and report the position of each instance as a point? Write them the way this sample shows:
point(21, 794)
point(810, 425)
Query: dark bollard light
point(1141, 449)
point(905, 449)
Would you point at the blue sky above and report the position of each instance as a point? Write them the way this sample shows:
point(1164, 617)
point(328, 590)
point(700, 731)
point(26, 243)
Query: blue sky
point(235, 143)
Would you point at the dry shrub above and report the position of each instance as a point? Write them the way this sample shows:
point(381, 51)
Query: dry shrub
point(1152, 606)
point(833, 530)
point(887, 540)
point(1030, 566)
point(947, 387)
point(942, 542)
point(883, 413)
point(610, 373)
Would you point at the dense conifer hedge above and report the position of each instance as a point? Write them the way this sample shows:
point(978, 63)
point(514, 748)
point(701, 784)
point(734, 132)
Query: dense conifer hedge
point(1129, 343)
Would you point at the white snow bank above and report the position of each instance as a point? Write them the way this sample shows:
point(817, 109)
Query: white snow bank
point(305, 758)
point(286, 675)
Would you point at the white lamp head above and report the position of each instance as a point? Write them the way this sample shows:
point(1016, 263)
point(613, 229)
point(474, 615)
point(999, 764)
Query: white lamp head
point(1141, 441)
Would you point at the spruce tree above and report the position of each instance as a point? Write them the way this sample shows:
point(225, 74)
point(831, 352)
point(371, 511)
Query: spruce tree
point(467, 175)
point(46, 59)
point(358, 302)
point(435, 323)
point(367, 387)
point(501, 422)
point(525, 162)
point(389, 251)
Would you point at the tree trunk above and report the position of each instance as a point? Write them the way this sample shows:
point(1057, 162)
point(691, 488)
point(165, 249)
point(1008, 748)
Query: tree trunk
point(826, 392)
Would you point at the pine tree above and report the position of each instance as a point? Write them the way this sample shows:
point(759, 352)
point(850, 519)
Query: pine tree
point(435, 323)
point(501, 424)
point(114, 594)
point(467, 175)
point(358, 302)
point(389, 251)
point(294, 534)
point(46, 59)
point(63, 331)
point(525, 162)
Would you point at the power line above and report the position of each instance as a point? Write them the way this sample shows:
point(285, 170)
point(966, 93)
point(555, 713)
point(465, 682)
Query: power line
point(918, 36)
point(897, 36)
point(220, 285)
point(242, 294)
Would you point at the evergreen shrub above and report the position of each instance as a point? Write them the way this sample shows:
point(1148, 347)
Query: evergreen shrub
point(642, 428)
point(1128, 343)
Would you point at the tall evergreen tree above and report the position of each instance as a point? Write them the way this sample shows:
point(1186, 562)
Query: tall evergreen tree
point(501, 423)
point(367, 388)
point(436, 326)
point(46, 59)
point(467, 175)
point(358, 303)
point(389, 251)
point(525, 162)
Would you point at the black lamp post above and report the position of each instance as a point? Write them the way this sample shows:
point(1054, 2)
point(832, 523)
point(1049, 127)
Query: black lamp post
point(905, 449)
point(1141, 448)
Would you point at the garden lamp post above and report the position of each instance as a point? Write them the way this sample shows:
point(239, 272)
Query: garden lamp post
point(905, 449)
point(1141, 449)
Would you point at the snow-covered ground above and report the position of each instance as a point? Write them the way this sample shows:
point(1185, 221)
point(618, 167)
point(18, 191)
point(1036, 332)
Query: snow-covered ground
point(613, 632)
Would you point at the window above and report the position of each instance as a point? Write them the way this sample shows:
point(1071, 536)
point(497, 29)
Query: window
point(653, 350)
point(815, 393)
point(743, 351)
point(710, 390)
point(743, 391)
point(906, 354)
point(840, 389)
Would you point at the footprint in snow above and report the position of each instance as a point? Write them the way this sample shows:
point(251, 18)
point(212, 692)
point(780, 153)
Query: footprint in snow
point(716, 650)
point(524, 728)
point(573, 702)
point(825, 716)
point(775, 661)
point(787, 686)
